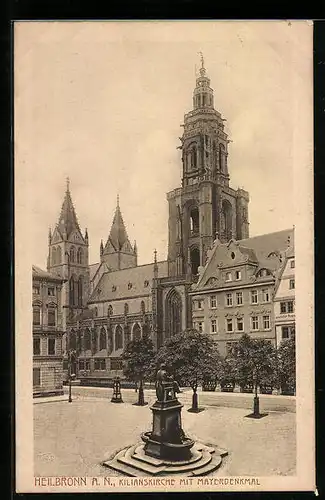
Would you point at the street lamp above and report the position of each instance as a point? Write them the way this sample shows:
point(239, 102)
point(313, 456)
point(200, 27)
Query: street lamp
point(71, 376)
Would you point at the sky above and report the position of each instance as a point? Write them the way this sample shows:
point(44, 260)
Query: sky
point(102, 103)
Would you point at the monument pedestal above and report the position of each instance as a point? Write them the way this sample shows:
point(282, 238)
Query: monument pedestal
point(167, 439)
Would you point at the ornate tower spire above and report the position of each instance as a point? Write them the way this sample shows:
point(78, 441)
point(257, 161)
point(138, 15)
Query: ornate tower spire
point(203, 93)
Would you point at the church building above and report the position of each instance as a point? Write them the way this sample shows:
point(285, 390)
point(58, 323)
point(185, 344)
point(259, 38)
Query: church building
point(107, 303)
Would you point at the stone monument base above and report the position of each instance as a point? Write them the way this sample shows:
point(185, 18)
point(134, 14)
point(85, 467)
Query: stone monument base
point(132, 461)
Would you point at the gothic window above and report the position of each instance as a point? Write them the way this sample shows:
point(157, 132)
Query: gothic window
point(79, 256)
point(87, 340)
point(110, 310)
point(222, 158)
point(173, 321)
point(72, 340)
point(227, 219)
point(72, 254)
point(53, 256)
point(80, 290)
point(126, 309)
point(194, 158)
point(195, 260)
point(143, 307)
point(145, 330)
point(102, 339)
point(73, 291)
point(194, 221)
point(118, 337)
point(136, 332)
point(58, 255)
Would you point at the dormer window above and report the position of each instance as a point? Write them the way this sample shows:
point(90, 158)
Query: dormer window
point(113, 288)
point(129, 286)
point(146, 283)
point(228, 277)
point(238, 275)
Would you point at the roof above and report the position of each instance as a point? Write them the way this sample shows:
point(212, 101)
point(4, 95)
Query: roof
point(41, 274)
point(130, 282)
point(264, 251)
point(265, 244)
point(93, 268)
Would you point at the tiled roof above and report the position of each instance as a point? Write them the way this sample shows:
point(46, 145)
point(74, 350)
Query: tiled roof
point(265, 244)
point(93, 268)
point(40, 273)
point(266, 251)
point(129, 282)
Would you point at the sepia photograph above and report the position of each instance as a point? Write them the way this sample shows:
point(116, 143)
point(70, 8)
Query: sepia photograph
point(164, 256)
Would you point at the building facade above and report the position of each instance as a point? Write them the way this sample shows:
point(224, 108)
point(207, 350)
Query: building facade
point(284, 299)
point(47, 333)
point(236, 289)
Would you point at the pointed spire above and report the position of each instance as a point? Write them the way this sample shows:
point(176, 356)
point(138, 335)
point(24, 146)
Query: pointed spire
point(86, 234)
point(118, 200)
point(135, 248)
point(202, 69)
point(68, 220)
point(118, 235)
point(101, 251)
point(50, 235)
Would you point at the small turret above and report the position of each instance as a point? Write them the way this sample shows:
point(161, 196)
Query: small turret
point(86, 235)
point(101, 250)
point(155, 267)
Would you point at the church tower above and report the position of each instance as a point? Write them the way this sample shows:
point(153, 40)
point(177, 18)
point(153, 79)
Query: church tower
point(205, 207)
point(118, 252)
point(68, 258)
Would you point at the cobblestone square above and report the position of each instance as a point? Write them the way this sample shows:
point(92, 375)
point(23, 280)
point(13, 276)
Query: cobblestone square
point(72, 439)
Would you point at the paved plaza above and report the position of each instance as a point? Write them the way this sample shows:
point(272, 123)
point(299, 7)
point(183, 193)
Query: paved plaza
point(72, 439)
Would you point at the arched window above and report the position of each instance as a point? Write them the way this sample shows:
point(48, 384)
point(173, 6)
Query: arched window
point(145, 330)
point(80, 290)
point(173, 319)
point(110, 310)
point(118, 337)
point(102, 339)
point(79, 256)
point(72, 254)
point(227, 219)
point(53, 256)
point(222, 158)
point(194, 221)
point(126, 309)
point(136, 332)
point(195, 260)
point(72, 340)
point(58, 255)
point(71, 291)
point(194, 158)
point(142, 307)
point(87, 340)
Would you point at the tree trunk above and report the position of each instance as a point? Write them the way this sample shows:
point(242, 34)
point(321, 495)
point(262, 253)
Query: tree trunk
point(141, 394)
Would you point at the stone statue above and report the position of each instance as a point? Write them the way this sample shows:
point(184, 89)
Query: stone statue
point(162, 376)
